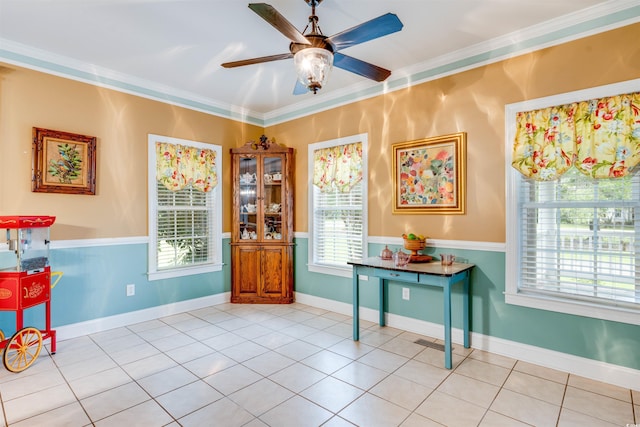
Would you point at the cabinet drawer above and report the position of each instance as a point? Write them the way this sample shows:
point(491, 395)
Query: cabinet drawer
point(404, 276)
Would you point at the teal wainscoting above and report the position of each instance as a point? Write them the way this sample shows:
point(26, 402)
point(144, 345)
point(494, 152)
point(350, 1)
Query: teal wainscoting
point(322, 285)
point(601, 340)
point(94, 285)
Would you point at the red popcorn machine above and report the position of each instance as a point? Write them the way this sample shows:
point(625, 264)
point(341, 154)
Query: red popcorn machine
point(25, 281)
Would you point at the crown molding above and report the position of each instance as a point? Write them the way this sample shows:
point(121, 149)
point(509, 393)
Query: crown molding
point(22, 55)
point(596, 19)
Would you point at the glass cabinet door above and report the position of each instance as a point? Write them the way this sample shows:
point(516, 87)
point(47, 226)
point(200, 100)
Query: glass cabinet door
point(248, 198)
point(272, 198)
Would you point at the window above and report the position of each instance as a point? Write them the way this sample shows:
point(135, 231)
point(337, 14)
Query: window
point(184, 221)
point(573, 243)
point(337, 204)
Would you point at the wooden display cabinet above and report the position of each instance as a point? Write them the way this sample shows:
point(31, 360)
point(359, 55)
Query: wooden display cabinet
point(262, 233)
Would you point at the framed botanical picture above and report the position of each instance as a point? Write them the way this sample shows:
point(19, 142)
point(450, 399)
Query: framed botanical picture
point(429, 175)
point(63, 162)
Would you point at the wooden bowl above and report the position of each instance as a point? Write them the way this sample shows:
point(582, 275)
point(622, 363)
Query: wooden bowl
point(414, 245)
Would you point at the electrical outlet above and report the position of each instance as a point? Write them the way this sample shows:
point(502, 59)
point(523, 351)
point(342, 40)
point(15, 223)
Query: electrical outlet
point(131, 290)
point(406, 293)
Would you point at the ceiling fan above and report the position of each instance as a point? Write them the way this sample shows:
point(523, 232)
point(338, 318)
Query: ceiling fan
point(314, 53)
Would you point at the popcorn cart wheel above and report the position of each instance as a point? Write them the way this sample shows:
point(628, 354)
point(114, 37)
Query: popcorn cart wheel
point(22, 349)
point(24, 283)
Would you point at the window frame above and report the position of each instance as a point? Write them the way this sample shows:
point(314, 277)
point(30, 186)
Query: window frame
point(312, 265)
point(214, 199)
point(513, 294)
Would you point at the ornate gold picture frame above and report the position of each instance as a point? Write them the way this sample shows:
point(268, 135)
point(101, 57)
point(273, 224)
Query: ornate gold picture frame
point(429, 175)
point(63, 162)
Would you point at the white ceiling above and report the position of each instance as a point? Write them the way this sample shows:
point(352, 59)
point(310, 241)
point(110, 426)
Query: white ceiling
point(172, 49)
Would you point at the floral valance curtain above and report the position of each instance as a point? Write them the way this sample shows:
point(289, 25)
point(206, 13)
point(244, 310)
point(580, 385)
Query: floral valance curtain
point(337, 168)
point(178, 166)
point(600, 137)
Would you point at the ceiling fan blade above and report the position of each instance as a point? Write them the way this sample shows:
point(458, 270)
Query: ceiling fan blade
point(279, 22)
point(257, 60)
point(300, 89)
point(359, 67)
point(377, 27)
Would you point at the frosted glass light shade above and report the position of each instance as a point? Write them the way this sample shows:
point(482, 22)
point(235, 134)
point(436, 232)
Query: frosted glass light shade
point(313, 66)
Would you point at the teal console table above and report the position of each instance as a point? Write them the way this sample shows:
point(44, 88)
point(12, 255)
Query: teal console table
point(429, 274)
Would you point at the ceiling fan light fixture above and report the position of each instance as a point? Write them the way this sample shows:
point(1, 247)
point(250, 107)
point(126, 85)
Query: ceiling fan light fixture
point(313, 66)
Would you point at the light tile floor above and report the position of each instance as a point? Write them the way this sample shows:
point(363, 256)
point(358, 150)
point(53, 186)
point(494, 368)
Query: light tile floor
point(293, 365)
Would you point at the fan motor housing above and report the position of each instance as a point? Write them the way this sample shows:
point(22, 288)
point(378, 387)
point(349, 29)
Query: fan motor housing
point(316, 40)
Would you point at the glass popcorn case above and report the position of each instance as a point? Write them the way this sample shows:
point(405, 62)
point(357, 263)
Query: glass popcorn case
point(28, 238)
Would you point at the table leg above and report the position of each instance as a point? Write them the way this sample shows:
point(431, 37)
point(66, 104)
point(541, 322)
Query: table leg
point(447, 326)
point(381, 308)
point(356, 305)
point(465, 310)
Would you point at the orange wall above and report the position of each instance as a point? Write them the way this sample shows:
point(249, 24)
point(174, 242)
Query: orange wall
point(121, 123)
point(473, 102)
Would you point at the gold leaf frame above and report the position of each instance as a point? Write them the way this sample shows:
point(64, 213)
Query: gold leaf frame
point(50, 166)
point(429, 175)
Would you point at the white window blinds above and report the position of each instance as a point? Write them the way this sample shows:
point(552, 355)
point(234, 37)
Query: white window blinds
point(338, 226)
point(579, 238)
point(184, 227)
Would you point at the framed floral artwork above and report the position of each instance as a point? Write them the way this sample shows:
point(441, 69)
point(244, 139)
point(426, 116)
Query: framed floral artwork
point(429, 175)
point(63, 162)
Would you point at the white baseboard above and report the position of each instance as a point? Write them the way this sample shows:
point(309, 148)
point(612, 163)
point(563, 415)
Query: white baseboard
point(97, 325)
point(588, 368)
